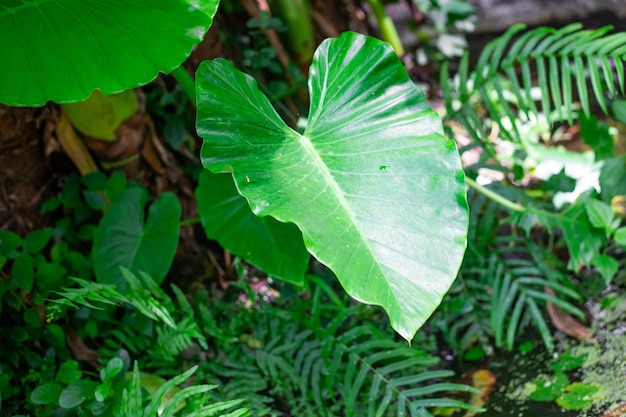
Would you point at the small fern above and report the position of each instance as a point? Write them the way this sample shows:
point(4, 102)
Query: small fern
point(564, 61)
point(503, 282)
point(342, 368)
point(518, 283)
point(149, 300)
point(132, 403)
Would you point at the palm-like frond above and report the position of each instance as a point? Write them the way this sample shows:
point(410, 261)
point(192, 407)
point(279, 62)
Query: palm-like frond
point(147, 299)
point(344, 368)
point(502, 283)
point(133, 403)
point(518, 288)
point(563, 62)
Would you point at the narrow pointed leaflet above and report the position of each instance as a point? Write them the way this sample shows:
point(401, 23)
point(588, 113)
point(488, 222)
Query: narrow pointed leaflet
point(376, 189)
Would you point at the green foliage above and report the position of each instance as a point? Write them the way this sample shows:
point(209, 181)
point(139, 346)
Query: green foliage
point(501, 286)
point(64, 49)
point(525, 81)
point(334, 180)
point(117, 395)
point(148, 299)
point(442, 34)
point(31, 269)
point(330, 365)
point(502, 83)
point(597, 134)
point(173, 112)
point(376, 189)
point(519, 274)
point(133, 403)
point(260, 55)
point(558, 388)
point(226, 217)
point(124, 238)
point(586, 225)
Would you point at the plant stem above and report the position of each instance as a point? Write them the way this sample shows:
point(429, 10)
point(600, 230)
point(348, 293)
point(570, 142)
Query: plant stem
point(387, 27)
point(296, 15)
point(186, 82)
point(495, 196)
point(187, 222)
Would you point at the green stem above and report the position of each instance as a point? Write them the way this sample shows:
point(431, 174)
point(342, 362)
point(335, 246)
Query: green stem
point(495, 196)
point(186, 82)
point(187, 222)
point(296, 15)
point(387, 27)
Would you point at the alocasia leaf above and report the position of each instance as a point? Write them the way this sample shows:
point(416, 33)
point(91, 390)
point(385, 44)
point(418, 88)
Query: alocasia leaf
point(277, 248)
point(62, 50)
point(123, 238)
point(373, 184)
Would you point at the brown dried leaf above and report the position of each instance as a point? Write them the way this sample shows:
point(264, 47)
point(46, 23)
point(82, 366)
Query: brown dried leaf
point(619, 411)
point(566, 322)
point(484, 380)
point(80, 351)
point(74, 146)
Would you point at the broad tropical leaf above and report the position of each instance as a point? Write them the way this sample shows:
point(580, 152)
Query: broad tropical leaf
point(62, 50)
point(277, 248)
point(123, 238)
point(376, 189)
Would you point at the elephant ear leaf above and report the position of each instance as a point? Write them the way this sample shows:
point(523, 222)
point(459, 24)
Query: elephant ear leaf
point(376, 189)
point(275, 247)
point(62, 50)
point(126, 238)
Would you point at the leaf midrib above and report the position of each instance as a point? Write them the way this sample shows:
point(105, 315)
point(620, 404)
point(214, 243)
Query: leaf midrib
point(318, 162)
point(28, 5)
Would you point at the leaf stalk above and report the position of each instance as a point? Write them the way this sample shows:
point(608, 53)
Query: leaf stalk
point(495, 196)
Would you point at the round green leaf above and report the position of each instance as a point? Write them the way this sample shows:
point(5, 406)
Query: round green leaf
point(47, 393)
point(37, 240)
point(55, 335)
point(549, 387)
point(373, 184)
point(68, 372)
point(48, 274)
point(62, 50)
point(23, 272)
point(123, 238)
point(114, 366)
point(76, 393)
point(579, 396)
point(277, 248)
point(9, 241)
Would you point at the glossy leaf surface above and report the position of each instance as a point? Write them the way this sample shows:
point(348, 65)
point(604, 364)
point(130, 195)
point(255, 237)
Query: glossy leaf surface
point(124, 238)
point(276, 248)
point(376, 189)
point(62, 50)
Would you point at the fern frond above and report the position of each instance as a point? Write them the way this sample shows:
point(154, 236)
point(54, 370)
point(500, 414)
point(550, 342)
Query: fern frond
point(242, 379)
point(171, 342)
point(132, 400)
point(503, 78)
point(501, 287)
point(517, 285)
point(343, 368)
point(394, 377)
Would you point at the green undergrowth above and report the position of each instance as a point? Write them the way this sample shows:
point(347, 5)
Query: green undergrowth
point(372, 187)
point(586, 377)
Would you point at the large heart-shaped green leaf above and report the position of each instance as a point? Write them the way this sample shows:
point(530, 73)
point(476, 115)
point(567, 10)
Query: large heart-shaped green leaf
point(277, 248)
point(373, 184)
point(124, 239)
point(62, 50)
